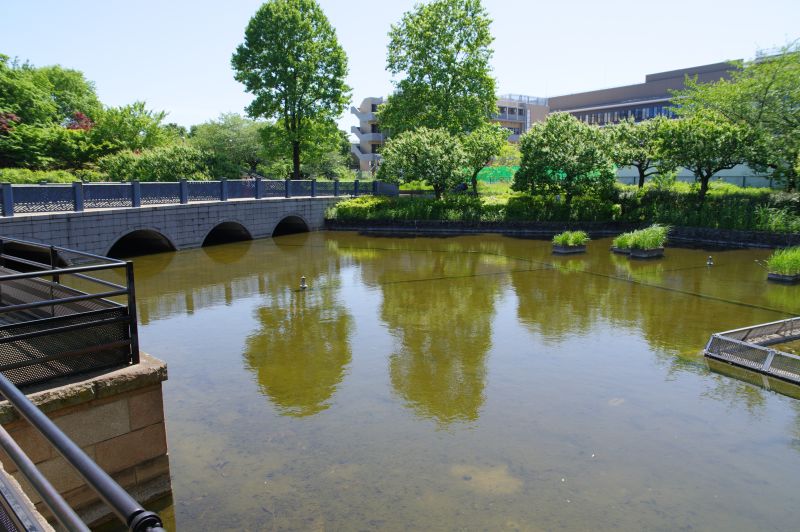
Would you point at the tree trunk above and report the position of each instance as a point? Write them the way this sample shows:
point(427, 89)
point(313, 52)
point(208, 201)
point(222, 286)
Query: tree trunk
point(296, 159)
point(703, 187)
point(437, 192)
point(475, 181)
point(641, 177)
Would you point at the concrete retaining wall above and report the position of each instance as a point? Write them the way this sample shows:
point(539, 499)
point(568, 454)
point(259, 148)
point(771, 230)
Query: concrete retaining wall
point(117, 418)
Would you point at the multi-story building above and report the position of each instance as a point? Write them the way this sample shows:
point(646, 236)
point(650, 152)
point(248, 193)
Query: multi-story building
point(640, 101)
point(370, 138)
point(518, 112)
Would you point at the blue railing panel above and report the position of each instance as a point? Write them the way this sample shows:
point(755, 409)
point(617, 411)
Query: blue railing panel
point(43, 198)
point(273, 188)
point(346, 188)
point(241, 188)
point(106, 195)
point(160, 193)
point(325, 188)
point(300, 187)
point(365, 187)
point(203, 190)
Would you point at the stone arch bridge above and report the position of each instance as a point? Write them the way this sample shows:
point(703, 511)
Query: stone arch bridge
point(129, 231)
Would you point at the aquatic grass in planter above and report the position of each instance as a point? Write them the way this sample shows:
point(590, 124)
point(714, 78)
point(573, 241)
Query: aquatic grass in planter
point(621, 243)
point(570, 242)
point(643, 243)
point(784, 265)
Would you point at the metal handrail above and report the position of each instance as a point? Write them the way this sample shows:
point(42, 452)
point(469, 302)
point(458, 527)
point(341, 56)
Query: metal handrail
point(125, 507)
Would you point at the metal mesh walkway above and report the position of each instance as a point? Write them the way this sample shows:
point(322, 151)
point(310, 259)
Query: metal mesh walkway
point(748, 347)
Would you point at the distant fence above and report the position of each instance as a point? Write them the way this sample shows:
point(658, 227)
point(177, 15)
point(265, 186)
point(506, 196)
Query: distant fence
point(77, 197)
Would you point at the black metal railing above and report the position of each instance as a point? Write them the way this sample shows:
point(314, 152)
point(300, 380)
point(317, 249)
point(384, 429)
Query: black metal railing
point(76, 197)
point(63, 312)
point(124, 507)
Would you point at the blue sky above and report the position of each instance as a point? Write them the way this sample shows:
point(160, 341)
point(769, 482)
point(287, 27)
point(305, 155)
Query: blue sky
point(175, 54)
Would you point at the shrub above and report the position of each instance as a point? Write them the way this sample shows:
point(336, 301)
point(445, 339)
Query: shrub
point(167, 163)
point(651, 237)
point(622, 241)
point(785, 261)
point(571, 238)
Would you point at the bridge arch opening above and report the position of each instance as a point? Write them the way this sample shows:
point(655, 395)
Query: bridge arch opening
point(140, 242)
point(290, 225)
point(227, 232)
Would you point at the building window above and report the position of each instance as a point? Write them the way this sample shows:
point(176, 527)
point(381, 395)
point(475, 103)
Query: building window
point(375, 128)
point(376, 148)
point(374, 107)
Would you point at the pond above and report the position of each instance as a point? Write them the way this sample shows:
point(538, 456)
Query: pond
point(474, 382)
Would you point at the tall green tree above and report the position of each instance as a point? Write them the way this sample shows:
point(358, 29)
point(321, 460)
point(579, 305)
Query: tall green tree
point(440, 53)
point(234, 142)
point(562, 155)
point(430, 155)
point(763, 95)
point(130, 127)
point(637, 144)
point(707, 143)
point(480, 146)
point(291, 61)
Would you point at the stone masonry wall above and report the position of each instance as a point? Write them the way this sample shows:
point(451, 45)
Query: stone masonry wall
point(185, 226)
point(117, 418)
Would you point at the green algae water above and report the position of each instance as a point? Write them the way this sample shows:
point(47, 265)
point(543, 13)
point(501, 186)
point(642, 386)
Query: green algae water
point(468, 383)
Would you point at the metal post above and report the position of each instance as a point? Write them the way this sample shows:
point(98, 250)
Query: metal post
point(336, 187)
point(8, 200)
point(77, 196)
point(313, 188)
point(259, 188)
point(375, 188)
point(223, 189)
point(134, 324)
point(355, 187)
point(288, 191)
point(183, 191)
point(136, 193)
point(56, 278)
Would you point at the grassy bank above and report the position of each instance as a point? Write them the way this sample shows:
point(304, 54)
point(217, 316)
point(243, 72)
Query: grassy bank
point(725, 207)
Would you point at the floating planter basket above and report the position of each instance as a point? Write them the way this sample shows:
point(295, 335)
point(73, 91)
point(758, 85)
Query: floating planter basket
point(621, 251)
point(570, 242)
point(652, 253)
point(783, 278)
point(567, 250)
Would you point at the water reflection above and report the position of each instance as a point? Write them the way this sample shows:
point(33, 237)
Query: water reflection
point(301, 347)
point(440, 311)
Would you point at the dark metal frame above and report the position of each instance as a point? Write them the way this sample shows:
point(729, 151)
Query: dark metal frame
point(125, 507)
point(65, 314)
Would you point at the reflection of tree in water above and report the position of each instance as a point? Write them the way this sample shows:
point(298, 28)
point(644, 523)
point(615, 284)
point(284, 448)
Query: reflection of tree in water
point(442, 318)
point(301, 349)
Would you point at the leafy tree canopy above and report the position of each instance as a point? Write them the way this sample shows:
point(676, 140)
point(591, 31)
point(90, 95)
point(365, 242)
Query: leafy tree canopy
point(234, 142)
point(291, 61)
point(480, 146)
point(763, 95)
point(637, 144)
point(430, 155)
point(564, 155)
point(706, 142)
point(440, 52)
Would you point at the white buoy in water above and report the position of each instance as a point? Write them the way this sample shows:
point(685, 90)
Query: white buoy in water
point(303, 284)
point(709, 261)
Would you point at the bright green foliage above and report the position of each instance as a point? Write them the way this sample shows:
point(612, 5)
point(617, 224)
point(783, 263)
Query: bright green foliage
point(637, 144)
point(233, 142)
point(785, 261)
point(509, 155)
point(440, 53)
point(762, 95)
point(26, 176)
point(571, 238)
point(47, 95)
point(480, 146)
point(652, 237)
point(323, 145)
point(291, 61)
point(167, 163)
point(430, 155)
point(562, 155)
point(622, 241)
point(130, 127)
point(706, 143)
